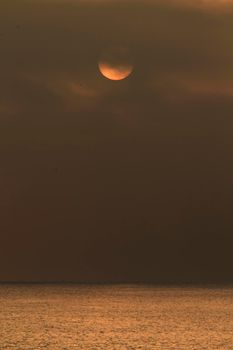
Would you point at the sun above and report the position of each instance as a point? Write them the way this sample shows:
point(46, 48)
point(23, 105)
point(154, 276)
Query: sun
point(116, 63)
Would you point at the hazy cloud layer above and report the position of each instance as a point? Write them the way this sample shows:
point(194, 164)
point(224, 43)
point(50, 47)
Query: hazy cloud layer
point(105, 180)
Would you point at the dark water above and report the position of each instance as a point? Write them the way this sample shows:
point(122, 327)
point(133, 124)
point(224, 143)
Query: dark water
point(115, 317)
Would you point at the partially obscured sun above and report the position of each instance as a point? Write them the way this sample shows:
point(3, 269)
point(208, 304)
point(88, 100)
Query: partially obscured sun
point(116, 64)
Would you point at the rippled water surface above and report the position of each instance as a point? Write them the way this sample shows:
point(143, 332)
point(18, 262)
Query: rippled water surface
point(71, 317)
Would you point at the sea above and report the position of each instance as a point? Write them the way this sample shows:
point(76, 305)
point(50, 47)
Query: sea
point(102, 317)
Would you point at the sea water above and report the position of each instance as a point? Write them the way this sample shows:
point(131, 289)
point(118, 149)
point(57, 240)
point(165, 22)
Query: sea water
point(68, 317)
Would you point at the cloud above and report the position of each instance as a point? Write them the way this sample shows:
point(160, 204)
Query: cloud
point(199, 4)
point(55, 67)
point(202, 87)
point(97, 168)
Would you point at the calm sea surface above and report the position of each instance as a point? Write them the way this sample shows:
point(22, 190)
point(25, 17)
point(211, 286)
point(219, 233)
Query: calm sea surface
point(115, 317)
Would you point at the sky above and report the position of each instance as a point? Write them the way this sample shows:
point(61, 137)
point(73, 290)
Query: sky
point(116, 181)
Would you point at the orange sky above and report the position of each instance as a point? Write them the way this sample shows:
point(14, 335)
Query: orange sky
point(104, 180)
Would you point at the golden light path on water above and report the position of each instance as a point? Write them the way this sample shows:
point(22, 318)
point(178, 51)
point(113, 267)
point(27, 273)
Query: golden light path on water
point(87, 317)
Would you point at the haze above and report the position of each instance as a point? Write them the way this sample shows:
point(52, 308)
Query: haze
point(128, 181)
